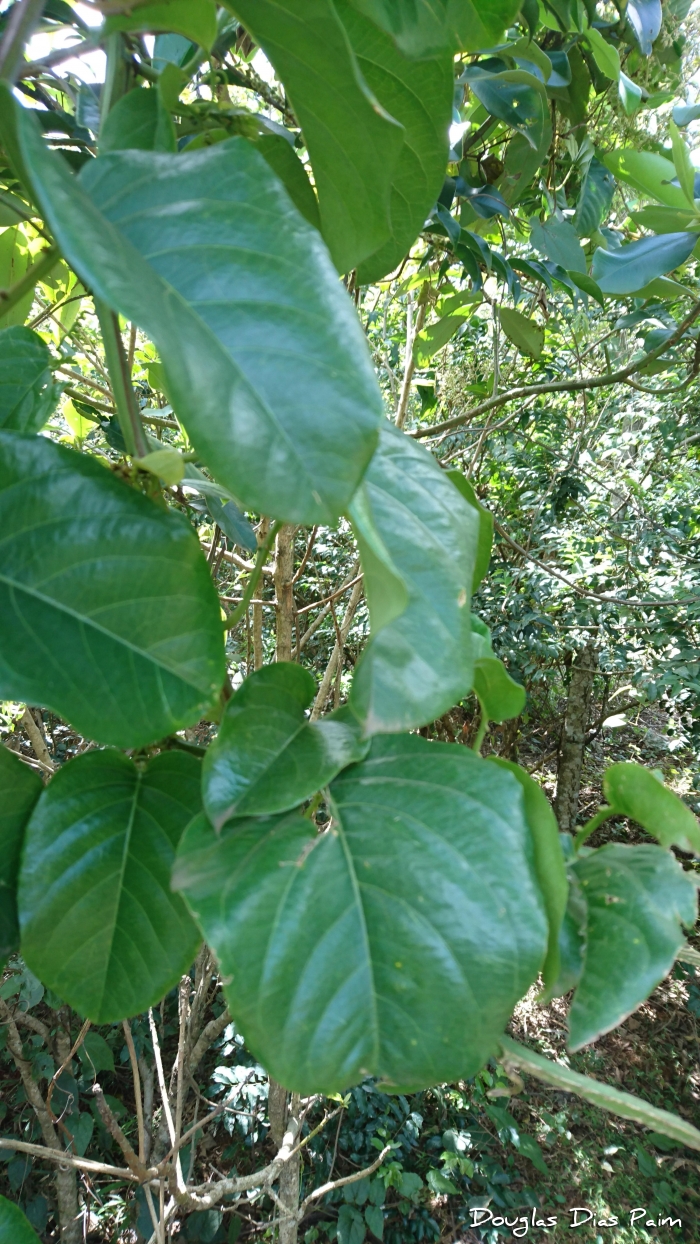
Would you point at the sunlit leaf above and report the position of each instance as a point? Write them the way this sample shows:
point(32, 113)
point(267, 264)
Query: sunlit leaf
point(524, 332)
point(443, 26)
point(27, 396)
point(638, 793)
point(195, 19)
point(645, 17)
point(633, 266)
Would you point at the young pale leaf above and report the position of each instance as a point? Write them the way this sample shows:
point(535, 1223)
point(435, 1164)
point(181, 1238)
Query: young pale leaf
point(666, 219)
point(558, 241)
point(594, 200)
point(638, 793)
point(195, 19)
point(432, 339)
point(108, 614)
point(637, 898)
point(100, 925)
point(418, 541)
point(648, 172)
point(605, 55)
point(549, 861)
point(516, 97)
point(500, 696)
point(27, 396)
point(423, 30)
point(483, 551)
point(630, 94)
point(353, 143)
point(20, 788)
point(360, 952)
point(633, 266)
point(419, 95)
point(15, 1228)
point(524, 332)
point(685, 169)
point(645, 18)
point(267, 757)
point(138, 120)
point(265, 360)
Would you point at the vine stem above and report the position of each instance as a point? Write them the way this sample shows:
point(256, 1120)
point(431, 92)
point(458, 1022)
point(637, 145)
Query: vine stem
point(124, 396)
point(603, 814)
point(21, 21)
point(234, 618)
point(481, 732)
point(626, 1105)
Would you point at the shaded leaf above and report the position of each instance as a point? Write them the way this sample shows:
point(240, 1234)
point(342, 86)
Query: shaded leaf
point(558, 241)
point(485, 541)
point(27, 395)
point(644, 16)
point(374, 1217)
point(95, 1054)
point(360, 951)
point(588, 286)
point(195, 19)
point(20, 788)
point(108, 614)
point(638, 793)
point(418, 540)
point(633, 266)
point(444, 26)
point(637, 898)
point(517, 98)
point(524, 332)
point(283, 160)
point(14, 1227)
point(499, 695)
point(233, 523)
point(440, 1184)
point(138, 120)
point(594, 199)
point(99, 923)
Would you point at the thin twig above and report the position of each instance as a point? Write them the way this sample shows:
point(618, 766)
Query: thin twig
point(137, 1087)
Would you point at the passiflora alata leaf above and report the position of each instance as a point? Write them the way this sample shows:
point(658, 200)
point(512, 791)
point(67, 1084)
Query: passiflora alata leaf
point(108, 614)
point(20, 788)
point(265, 360)
point(443, 25)
point(267, 757)
point(15, 1228)
point(27, 396)
point(632, 267)
point(637, 899)
point(558, 241)
point(195, 19)
point(100, 925)
point(138, 120)
point(640, 794)
point(516, 97)
point(418, 540)
point(651, 173)
point(353, 143)
point(396, 943)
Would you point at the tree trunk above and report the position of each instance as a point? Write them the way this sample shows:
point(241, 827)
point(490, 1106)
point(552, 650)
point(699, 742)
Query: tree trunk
point(284, 592)
point(576, 724)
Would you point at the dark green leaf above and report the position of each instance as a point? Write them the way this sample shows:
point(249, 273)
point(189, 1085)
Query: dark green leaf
point(99, 923)
point(588, 286)
point(483, 551)
point(558, 241)
point(528, 1146)
point(524, 332)
point(108, 614)
point(353, 143)
point(418, 541)
point(14, 1227)
point(594, 199)
point(501, 698)
point(549, 861)
point(521, 163)
point(633, 266)
point(138, 120)
point(516, 97)
point(374, 1217)
point(360, 951)
point(234, 525)
point(648, 172)
point(195, 19)
point(20, 788)
point(27, 396)
point(440, 1184)
point(637, 898)
point(638, 793)
point(95, 1054)
point(283, 160)
point(266, 362)
point(444, 26)
point(267, 757)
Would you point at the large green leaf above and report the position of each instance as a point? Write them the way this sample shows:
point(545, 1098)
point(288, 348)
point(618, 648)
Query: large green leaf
point(138, 120)
point(267, 757)
point(523, 331)
point(99, 922)
point(645, 18)
point(353, 143)
point(549, 861)
point(594, 199)
point(666, 219)
point(430, 340)
point(638, 793)
point(195, 19)
point(637, 898)
point(632, 267)
point(20, 788)
point(605, 55)
point(418, 540)
point(14, 1227)
point(27, 396)
point(558, 241)
point(651, 174)
point(108, 614)
point(483, 552)
point(422, 29)
point(265, 359)
point(418, 94)
point(500, 696)
point(396, 943)
point(516, 97)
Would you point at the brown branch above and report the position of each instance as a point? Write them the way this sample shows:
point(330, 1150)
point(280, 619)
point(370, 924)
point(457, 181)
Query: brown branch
point(37, 740)
point(136, 1166)
point(137, 1088)
point(341, 1183)
point(60, 1155)
point(209, 1034)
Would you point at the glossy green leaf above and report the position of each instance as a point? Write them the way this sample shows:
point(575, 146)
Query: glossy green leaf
point(234, 525)
point(549, 861)
point(138, 120)
point(633, 266)
point(14, 1227)
point(645, 18)
point(516, 97)
point(666, 219)
point(432, 339)
point(283, 160)
point(638, 793)
point(265, 359)
point(558, 241)
point(524, 332)
point(649, 173)
point(637, 899)
point(100, 925)
point(27, 395)
point(20, 788)
point(485, 541)
point(267, 757)
point(443, 25)
point(630, 94)
point(195, 19)
point(418, 542)
point(108, 614)
point(500, 696)
point(588, 286)
point(418, 94)
point(605, 55)
point(360, 951)
point(685, 169)
point(594, 199)
point(353, 143)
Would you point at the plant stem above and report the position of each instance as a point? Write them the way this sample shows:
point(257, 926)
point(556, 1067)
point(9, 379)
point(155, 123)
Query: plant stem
point(234, 618)
point(626, 1105)
point(124, 397)
point(46, 262)
point(21, 21)
point(481, 732)
point(585, 832)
